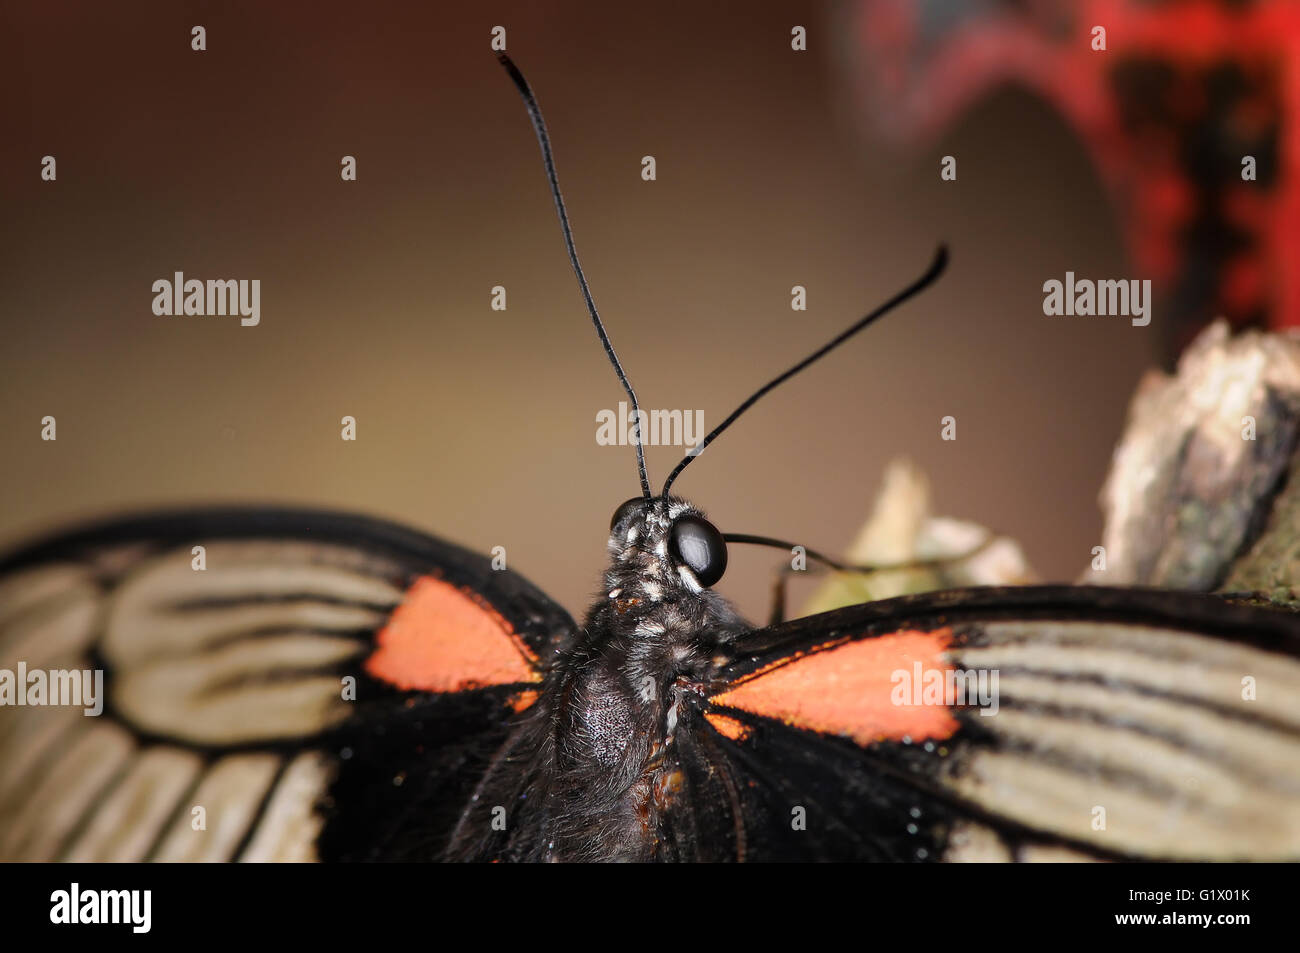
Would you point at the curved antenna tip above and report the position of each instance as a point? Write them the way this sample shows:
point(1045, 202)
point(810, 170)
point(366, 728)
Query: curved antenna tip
point(941, 257)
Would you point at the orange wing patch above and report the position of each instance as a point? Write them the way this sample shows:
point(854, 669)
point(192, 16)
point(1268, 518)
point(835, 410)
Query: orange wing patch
point(524, 700)
point(851, 689)
point(732, 728)
point(443, 638)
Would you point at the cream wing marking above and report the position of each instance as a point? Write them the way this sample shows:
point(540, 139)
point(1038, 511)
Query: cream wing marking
point(243, 652)
point(1151, 726)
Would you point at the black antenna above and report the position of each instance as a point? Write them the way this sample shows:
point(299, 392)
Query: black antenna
point(936, 268)
point(937, 562)
point(543, 140)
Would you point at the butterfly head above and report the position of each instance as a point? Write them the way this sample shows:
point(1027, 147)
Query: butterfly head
point(662, 546)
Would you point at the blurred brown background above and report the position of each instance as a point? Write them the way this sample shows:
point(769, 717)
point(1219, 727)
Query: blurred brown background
point(480, 425)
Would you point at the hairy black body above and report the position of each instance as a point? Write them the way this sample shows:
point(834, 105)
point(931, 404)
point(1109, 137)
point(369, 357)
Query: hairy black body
point(590, 772)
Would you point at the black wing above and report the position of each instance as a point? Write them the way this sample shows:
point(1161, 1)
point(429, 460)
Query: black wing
point(1137, 724)
point(225, 680)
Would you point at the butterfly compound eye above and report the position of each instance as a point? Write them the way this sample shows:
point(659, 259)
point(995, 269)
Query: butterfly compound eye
point(694, 542)
point(626, 510)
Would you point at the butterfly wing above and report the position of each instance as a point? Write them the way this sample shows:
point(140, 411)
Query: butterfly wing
point(243, 652)
point(1122, 724)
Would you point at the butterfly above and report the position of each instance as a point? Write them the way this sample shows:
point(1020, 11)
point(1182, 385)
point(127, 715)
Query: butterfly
point(289, 684)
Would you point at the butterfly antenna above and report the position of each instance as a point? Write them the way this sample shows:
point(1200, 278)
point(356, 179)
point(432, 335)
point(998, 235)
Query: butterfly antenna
point(934, 271)
point(543, 140)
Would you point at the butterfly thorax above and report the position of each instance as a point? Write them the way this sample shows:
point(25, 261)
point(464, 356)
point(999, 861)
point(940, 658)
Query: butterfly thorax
point(604, 732)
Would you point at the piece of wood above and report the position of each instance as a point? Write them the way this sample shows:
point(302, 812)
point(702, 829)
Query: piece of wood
point(1200, 494)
